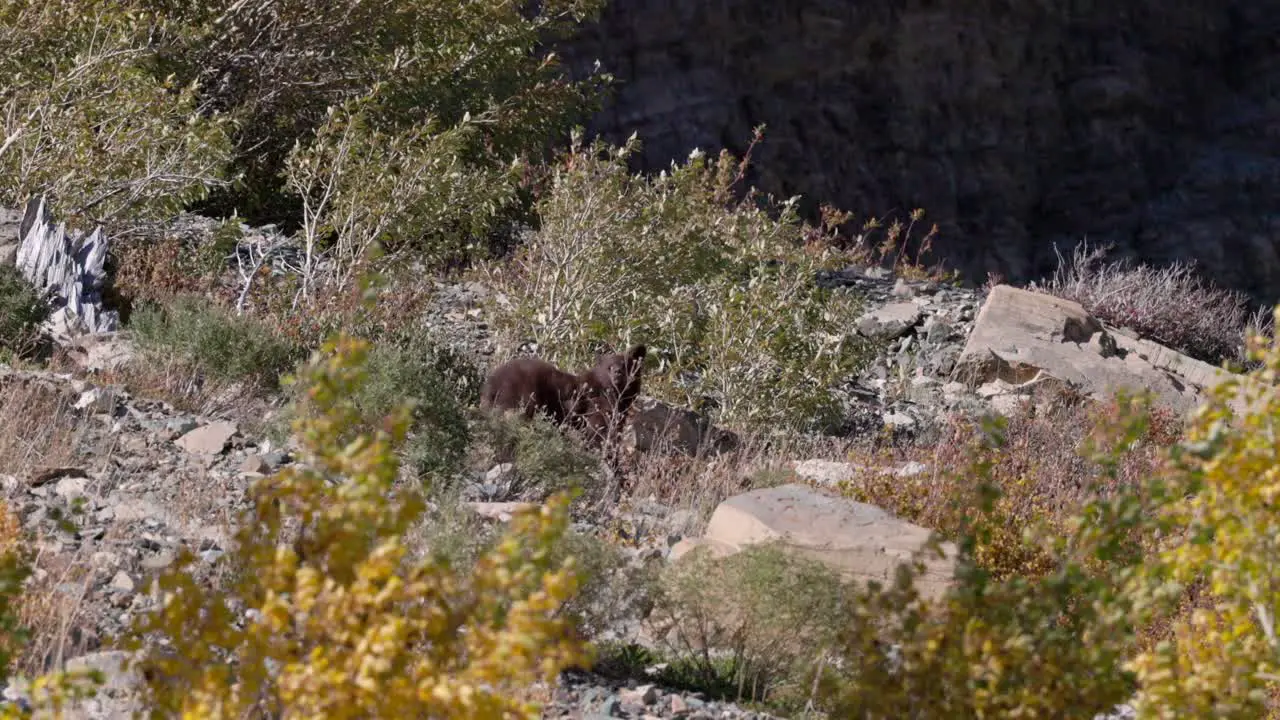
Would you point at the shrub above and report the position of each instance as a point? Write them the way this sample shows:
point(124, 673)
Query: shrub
point(1110, 619)
point(1219, 527)
point(21, 312)
point(759, 621)
point(214, 342)
point(14, 569)
point(610, 589)
point(1039, 461)
point(460, 89)
point(723, 293)
point(1047, 646)
point(50, 693)
point(543, 459)
point(336, 619)
point(88, 123)
point(438, 382)
point(1171, 305)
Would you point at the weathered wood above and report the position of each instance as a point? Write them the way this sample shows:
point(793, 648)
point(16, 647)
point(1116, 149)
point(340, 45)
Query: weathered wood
point(69, 269)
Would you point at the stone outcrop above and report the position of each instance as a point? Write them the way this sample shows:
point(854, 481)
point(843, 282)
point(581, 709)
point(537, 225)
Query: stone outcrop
point(66, 266)
point(1141, 122)
point(860, 541)
point(1023, 337)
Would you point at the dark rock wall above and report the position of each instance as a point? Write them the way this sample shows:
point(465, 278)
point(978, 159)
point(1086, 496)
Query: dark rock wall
point(1151, 124)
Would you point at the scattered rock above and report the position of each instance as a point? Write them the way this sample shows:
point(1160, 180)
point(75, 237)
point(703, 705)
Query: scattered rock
point(889, 322)
point(99, 352)
point(122, 582)
point(210, 439)
point(500, 511)
point(827, 472)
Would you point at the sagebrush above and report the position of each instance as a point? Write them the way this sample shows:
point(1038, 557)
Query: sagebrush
point(721, 288)
point(1172, 305)
point(213, 341)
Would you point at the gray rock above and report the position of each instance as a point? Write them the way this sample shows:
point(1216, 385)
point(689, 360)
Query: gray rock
point(69, 268)
point(122, 582)
point(860, 541)
point(70, 488)
point(657, 427)
point(255, 464)
point(642, 695)
point(889, 322)
point(209, 439)
point(829, 473)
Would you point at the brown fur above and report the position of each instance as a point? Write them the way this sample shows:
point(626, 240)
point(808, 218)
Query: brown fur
point(592, 401)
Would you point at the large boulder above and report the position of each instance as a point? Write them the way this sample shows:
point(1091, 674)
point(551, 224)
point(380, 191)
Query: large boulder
point(1023, 337)
point(860, 541)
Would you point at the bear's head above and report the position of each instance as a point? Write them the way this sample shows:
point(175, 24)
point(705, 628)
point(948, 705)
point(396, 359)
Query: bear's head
point(618, 373)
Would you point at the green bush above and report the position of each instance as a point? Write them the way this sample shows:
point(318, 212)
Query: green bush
point(721, 290)
point(610, 589)
point(447, 94)
point(543, 459)
point(214, 342)
point(394, 122)
point(21, 312)
point(440, 384)
point(760, 621)
point(88, 122)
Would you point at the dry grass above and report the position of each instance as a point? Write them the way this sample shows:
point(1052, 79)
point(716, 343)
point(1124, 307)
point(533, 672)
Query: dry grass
point(44, 431)
point(1172, 305)
point(41, 428)
point(177, 383)
point(1040, 469)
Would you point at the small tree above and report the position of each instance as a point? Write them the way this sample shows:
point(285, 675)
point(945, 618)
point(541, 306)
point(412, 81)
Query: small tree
point(277, 67)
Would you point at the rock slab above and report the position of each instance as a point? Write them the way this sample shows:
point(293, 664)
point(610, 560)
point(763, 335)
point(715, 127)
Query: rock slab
point(1021, 337)
point(208, 439)
point(860, 541)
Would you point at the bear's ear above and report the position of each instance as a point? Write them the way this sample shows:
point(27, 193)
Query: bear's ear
point(636, 353)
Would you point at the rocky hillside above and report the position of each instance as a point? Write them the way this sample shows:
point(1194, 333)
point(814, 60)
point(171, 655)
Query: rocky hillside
point(1147, 124)
point(124, 483)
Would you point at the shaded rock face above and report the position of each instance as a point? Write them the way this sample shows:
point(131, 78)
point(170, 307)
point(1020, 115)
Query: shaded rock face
point(1014, 125)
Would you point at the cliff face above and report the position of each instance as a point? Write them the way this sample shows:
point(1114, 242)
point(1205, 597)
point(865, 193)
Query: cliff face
point(1153, 124)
